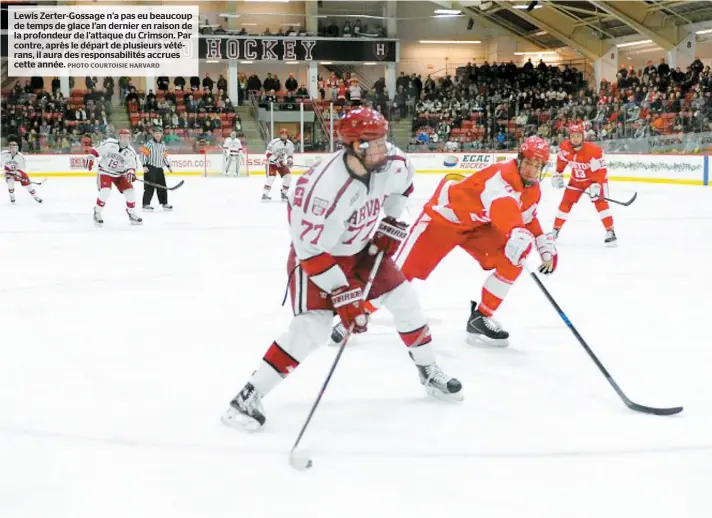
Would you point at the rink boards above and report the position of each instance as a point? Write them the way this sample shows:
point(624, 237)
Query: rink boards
point(673, 169)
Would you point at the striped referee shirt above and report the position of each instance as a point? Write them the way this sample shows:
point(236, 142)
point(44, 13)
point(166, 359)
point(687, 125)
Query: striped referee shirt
point(154, 154)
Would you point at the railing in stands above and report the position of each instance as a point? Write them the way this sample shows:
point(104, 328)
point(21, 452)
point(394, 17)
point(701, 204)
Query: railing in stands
point(254, 111)
point(324, 124)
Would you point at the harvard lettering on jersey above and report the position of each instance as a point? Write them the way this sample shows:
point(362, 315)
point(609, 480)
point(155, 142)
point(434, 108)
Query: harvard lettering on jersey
point(232, 146)
point(333, 214)
point(12, 164)
point(477, 200)
point(278, 151)
point(587, 164)
point(113, 160)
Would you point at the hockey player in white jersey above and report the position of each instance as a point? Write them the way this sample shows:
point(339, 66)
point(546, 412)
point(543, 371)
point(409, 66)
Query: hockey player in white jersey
point(117, 164)
point(14, 169)
point(333, 211)
point(279, 157)
point(232, 154)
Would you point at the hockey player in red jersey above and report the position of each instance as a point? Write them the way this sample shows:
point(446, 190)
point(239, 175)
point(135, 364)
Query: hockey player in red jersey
point(588, 175)
point(492, 216)
point(333, 212)
point(117, 163)
point(14, 169)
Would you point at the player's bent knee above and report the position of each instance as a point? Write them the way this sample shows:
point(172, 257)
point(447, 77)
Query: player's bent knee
point(307, 332)
point(402, 302)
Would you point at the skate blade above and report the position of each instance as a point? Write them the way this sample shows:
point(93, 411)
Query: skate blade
point(239, 421)
point(444, 396)
point(614, 244)
point(479, 340)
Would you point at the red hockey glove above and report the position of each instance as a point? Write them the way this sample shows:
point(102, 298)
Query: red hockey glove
point(348, 303)
point(388, 237)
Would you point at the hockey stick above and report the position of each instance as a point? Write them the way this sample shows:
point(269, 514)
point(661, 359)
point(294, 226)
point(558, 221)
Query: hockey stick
point(40, 182)
point(176, 186)
point(630, 404)
point(617, 202)
point(299, 460)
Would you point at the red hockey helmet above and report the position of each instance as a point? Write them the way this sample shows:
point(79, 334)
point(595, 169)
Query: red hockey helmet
point(535, 148)
point(533, 156)
point(361, 125)
point(576, 127)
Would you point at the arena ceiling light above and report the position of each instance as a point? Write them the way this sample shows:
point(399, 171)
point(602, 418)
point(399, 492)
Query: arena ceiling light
point(447, 12)
point(370, 63)
point(705, 31)
point(228, 15)
point(449, 42)
point(527, 7)
point(633, 43)
point(535, 53)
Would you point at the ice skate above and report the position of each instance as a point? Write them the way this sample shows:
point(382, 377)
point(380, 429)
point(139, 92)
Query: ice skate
point(37, 198)
point(555, 234)
point(98, 220)
point(265, 197)
point(245, 411)
point(133, 218)
point(147, 207)
point(611, 239)
point(12, 198)
point(485, 330)
point(167, 206)
point(438, 384)
point(284, 196)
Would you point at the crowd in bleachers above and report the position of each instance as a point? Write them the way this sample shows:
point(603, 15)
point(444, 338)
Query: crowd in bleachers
point(190, 114)
point(495, 106)
point(46, 121)
point(328, 27)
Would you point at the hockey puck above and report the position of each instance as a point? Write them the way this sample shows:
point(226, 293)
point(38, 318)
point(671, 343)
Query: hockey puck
point(299, 460)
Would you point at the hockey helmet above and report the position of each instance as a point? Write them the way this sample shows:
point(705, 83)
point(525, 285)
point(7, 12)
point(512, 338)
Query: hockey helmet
point(575, 130)
point(124, 138)
point(533, 156)
point(367, 128)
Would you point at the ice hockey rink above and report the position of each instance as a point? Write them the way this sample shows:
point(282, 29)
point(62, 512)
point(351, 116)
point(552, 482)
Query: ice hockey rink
point(121, 347)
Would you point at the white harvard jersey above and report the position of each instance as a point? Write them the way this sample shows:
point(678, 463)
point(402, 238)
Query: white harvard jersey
point(232, 146)
point(13, 163)
point(332, 211)
point(278, 150)
point(114, 160)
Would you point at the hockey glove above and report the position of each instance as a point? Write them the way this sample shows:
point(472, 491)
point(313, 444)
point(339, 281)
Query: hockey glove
point(131, 175)
point(547, 251)
point(290, 161)
point(348, 304)
point(388, 237)
point(557, 180)
point(594, 191)
point(518, 246)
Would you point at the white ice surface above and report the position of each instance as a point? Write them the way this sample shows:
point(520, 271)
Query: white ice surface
point(120, 347)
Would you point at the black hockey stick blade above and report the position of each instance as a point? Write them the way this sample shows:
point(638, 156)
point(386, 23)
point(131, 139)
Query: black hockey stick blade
point(173, 188)
point(652, 410)
point(630, 404)
point(40, 182)
point(625, 203)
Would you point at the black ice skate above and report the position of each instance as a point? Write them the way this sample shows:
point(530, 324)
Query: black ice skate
point(438, 384)
point(245, 411)
point(265, 197)
point(12, 198)
point(555, 233)
point(167, 206)
point(98, 220)
point(485, 330)
point(611, 239)
point(134, 219)
point(284, 196)
point(147, 207)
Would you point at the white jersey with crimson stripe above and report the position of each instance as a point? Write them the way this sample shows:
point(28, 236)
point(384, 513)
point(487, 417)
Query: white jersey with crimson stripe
point(114, 160)
point(332, 213)
point(13, 164)
point(278, 151)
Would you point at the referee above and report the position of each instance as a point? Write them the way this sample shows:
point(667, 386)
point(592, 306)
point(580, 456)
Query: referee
point(155, 160)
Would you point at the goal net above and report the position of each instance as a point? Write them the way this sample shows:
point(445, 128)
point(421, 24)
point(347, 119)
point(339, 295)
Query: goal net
point(226, 164)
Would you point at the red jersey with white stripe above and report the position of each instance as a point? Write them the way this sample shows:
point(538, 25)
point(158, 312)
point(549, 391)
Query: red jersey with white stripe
point(586, 165)
point(332, 212)
point(496, 195)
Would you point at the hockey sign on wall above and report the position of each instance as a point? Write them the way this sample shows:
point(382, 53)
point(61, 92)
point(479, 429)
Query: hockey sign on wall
point(298, 49)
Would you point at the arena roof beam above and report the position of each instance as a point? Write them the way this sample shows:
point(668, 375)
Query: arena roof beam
point(562, 27)
point(637, 16)
point(473, 12)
